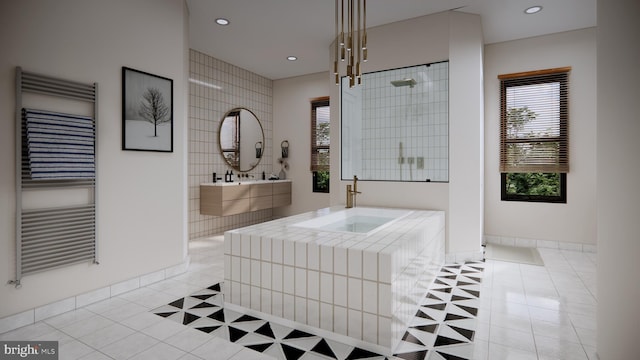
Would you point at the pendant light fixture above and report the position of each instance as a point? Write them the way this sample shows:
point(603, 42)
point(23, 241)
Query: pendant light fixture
point(350, 44)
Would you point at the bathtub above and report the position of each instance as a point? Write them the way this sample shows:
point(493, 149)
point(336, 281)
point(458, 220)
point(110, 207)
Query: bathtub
point(363, 220)
point(356, 273)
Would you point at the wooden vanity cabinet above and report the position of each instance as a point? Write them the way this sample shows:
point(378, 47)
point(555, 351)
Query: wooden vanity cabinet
point(223, 200)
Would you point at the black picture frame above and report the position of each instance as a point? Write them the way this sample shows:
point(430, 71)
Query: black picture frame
point(147, 111)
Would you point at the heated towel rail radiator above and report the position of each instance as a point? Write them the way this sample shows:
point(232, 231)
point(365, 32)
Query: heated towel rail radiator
point(53, 236)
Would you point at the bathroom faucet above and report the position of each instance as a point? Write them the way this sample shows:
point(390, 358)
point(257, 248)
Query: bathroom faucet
point(351, 193)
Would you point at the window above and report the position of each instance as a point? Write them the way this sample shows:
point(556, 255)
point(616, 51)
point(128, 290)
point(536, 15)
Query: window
point(320, 141)
point(534, 139)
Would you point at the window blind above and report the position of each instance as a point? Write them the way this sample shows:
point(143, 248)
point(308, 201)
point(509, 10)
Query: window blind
point(534, 127)
point(320, 119)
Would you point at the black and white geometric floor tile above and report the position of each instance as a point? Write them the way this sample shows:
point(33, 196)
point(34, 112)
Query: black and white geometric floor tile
point(443, 328)
point(445, 325)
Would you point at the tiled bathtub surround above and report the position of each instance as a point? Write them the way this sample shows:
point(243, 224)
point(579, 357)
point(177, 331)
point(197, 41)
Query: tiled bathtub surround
point(216, 87)
point(335, 281)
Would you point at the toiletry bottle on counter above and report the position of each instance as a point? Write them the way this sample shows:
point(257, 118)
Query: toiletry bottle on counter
point(226, 176)
point(264, 176)
point(231, 176)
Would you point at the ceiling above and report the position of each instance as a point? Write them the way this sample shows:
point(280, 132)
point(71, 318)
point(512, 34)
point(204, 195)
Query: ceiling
point(262, 33)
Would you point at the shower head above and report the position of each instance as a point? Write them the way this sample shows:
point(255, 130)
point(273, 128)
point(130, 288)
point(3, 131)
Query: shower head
point(404, 82)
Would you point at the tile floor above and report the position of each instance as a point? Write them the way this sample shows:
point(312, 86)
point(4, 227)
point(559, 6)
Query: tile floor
point(525, 312)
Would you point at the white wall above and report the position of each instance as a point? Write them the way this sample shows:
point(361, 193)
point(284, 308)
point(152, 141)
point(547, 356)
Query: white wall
point(141, 209)
point(452, 36)
point(292, 113)
point(618, 171)
point(574, 221)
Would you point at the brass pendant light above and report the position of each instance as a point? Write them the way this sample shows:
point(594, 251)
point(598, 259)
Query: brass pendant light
point(356, 34)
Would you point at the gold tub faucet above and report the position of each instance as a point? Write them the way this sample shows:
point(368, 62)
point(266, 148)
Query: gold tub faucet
point(352, 192)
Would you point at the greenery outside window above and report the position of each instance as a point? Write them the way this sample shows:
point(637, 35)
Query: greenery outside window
point(320, 143)
point(534, 139)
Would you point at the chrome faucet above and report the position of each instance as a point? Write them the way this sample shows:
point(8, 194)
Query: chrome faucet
point(352, 192)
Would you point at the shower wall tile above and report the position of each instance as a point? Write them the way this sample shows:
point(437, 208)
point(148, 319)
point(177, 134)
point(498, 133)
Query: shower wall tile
point(401, 124)
point(216, 87)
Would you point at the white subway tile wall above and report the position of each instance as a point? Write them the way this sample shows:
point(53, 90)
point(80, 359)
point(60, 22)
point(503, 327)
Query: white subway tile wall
point(401, 132)
point(216, 87)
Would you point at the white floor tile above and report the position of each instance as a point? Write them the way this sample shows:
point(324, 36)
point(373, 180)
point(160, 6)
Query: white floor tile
point(217, 349)
point(502, 352)
point(129, 346)
point(188, 339)
point(160, 351)
point(525, 312)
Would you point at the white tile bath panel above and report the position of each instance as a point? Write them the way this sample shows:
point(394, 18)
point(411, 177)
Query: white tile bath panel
point(277, 304)
point(370, 296)
point(340, 290)
point(255, 298)
point(313, 256)
point(313, 285)
point(266, 249)
point(245, 295)
point(276, 277)
point(340, 261)
point(228, 244)
point(355, 262)
point(326, 287)
point(384, 267)
point(245, 270)
point(245, 245)
point(300, 282)
point(326, 258)
point(370, 265)
point(235, 268)
point(265, 301)
point(355, 324)
point(289, 252)
point(340, 320)
point(288, 278)
point(265, 274)
point(236, 244)
point(355, 294)
point(301, 310)
point(301, 254)
point(326, 316)
point(255, 246)
point(369, 328)
point(313, 313)
point(276, 246)
point(384, 300)
point(288, 307)
point(256, 278)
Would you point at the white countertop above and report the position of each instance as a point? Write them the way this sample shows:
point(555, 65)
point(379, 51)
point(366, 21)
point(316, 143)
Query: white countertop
point(243, 182)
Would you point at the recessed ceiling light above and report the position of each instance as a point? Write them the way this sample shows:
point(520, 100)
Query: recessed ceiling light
point(222, 21)
point(533, 9)
point(292, 58)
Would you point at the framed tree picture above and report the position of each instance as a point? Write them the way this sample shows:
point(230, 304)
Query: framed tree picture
point(147, 111)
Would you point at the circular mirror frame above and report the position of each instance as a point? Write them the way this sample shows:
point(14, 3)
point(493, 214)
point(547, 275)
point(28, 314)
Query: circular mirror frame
point(234, 167)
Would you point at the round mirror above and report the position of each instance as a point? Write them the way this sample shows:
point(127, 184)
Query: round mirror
point(241, 139)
